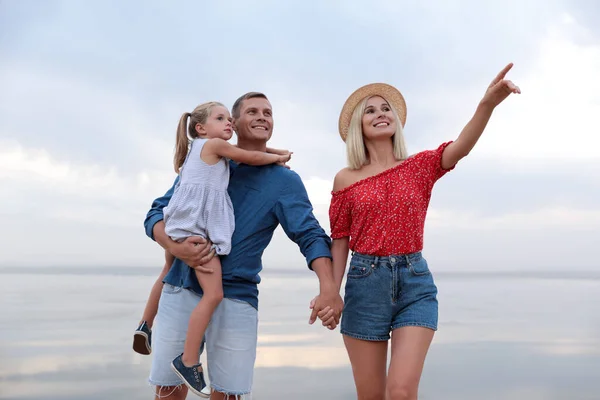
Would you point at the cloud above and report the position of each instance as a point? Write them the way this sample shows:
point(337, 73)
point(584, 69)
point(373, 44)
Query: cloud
point(64, 213)
point(79, 120)
point(38, 170)
point(556, 116)
point(545, 218)
point(88, 115)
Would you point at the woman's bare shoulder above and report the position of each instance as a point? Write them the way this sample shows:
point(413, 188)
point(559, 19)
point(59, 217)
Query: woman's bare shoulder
point(344, 178)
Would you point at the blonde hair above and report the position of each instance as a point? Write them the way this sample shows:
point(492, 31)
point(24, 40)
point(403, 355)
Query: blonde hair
point(355, 144)
point(182, 141)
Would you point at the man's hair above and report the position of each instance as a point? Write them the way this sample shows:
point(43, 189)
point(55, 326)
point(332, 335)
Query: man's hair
point(235, 110)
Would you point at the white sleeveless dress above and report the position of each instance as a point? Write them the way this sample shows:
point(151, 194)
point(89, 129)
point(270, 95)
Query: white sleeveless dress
point(200, 205)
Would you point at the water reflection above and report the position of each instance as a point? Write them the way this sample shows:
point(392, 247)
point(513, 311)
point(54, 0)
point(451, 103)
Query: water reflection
point(538, 340)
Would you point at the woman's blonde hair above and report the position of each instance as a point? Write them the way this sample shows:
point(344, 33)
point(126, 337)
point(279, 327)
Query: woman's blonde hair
point(355, 144)
point(182, 141)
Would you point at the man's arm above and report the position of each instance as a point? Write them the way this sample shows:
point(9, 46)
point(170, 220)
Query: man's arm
point(194, 251)
point(328, 304)
point(155, 214)
point(295, 214)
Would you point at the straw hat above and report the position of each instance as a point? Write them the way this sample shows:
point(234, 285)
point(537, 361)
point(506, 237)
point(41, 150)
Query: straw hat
point(389, 93)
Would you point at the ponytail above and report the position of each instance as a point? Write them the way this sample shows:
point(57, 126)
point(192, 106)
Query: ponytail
point(181, 142)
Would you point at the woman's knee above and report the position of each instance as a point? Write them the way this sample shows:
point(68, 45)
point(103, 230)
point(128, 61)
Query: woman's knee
point(370, 389)
point(373, 394)
point(401, 391)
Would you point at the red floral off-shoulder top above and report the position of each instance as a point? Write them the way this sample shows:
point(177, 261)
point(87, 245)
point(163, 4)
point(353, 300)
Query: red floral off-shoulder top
point(385, 214)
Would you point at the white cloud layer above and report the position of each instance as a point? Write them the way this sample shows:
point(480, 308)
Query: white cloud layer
point(86, 147)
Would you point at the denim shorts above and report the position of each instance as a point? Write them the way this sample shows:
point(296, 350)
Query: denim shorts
point(231, 339)
point(385, 293)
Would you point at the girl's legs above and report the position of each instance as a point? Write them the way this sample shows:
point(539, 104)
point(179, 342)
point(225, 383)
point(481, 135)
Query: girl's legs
point(409, 349)
point(142, 336)
point(212, 288)
point(368, 359)
point(152, 304)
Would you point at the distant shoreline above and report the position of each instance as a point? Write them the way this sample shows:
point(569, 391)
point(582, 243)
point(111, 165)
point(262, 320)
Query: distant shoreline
point(457, 274)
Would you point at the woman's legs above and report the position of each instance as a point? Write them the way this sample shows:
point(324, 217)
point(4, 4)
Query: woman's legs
point(372, 306)
point(368, 359)
point(409, 349)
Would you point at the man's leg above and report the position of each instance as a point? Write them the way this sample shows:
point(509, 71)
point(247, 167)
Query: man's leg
point(231, 340)
point(174, 309)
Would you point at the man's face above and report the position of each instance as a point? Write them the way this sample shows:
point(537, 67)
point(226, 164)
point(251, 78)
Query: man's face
point(255, 122)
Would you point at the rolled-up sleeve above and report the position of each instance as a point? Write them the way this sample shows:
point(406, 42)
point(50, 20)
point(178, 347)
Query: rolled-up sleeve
point(155, 214)
point(295, 214)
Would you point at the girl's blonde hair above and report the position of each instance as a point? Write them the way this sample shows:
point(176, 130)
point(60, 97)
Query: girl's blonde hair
point(355, 144)
point(182, 141)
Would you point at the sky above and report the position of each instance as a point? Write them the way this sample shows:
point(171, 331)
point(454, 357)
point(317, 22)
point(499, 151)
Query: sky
point(91, 94)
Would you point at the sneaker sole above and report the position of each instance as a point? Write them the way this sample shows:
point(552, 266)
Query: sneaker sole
point(197, 393)
point(140, 343)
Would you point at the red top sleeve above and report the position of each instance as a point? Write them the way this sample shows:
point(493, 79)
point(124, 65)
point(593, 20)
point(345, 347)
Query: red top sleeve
point(340, 217)
point(431, 161)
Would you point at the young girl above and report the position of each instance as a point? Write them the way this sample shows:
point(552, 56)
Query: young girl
point(201, 206)
point(378, 210)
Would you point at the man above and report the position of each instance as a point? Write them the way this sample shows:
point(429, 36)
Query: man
point(263, 197)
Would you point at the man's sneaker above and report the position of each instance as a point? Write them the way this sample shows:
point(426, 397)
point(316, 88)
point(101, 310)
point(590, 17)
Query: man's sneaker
point(142, 339)
point(192, 378)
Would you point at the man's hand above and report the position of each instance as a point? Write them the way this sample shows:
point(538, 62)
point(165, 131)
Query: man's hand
point(195, 251)
point(327, 306)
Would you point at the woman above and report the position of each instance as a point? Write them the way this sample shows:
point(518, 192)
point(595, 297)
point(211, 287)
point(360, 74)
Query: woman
point(378, 208)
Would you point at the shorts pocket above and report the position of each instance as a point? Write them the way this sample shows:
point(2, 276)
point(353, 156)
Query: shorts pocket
point(419, 267)
point(357, 271)
point(170, 289)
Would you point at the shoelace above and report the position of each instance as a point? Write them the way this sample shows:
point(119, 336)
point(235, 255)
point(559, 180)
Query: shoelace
point(196, 375)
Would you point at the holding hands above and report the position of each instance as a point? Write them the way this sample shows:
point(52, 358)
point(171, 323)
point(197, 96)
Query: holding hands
point(328, 308)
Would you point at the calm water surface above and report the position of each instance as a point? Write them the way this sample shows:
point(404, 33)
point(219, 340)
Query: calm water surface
point(66, 334)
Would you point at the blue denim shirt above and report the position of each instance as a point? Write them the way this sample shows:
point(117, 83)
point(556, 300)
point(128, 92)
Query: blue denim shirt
point(263, 197)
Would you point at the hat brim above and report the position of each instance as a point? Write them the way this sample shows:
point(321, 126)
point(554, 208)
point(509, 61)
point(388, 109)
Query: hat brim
point(388, 92)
